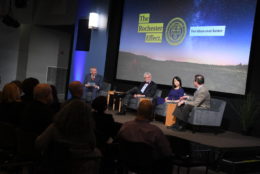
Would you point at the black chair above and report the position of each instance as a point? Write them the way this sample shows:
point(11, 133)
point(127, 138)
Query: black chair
point(139, 157)
point(9, 152)
point(7, 142)
point(70, 158)
point(189, 157)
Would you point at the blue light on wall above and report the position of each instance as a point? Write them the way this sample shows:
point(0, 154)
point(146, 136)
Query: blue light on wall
point(79, 65)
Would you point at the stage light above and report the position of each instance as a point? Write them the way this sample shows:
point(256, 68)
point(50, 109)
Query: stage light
point(93, 20)
point(11, 22)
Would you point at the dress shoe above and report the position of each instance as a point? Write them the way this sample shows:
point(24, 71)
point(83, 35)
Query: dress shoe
point(181, 128)
point(174, 127)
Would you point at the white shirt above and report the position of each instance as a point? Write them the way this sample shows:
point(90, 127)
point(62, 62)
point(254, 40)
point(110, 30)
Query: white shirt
point(144, 87)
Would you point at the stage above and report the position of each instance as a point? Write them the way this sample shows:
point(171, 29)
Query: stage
point(225, 139)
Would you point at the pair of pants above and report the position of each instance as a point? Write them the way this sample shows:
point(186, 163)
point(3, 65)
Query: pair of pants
point(182, 112)
point(92, 92)
point(129, 94)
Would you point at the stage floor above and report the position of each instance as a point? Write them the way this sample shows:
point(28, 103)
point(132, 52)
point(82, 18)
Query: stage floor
point(225, 139)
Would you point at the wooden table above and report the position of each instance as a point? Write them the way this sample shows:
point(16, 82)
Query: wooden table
point(114, 99)
point(170, 119)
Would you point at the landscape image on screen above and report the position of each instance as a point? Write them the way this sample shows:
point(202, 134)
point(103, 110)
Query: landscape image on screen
point(183, 38)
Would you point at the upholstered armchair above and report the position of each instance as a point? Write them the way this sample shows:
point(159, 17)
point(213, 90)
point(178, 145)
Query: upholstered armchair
point(105, 87)
point(208, 117)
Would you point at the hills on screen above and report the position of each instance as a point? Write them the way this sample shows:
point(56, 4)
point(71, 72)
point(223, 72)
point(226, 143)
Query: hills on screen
point(228, 79)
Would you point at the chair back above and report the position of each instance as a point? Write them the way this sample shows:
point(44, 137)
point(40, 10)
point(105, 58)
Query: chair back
point(72, 158)
point(136, 156)
point(105, 87)
point(208, 117)
point(158, 93)
point(7, 142)
point(7, 136)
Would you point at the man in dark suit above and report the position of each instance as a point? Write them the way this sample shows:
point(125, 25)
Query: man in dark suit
point(145, 89)
point(93, 82)
point(201, 98)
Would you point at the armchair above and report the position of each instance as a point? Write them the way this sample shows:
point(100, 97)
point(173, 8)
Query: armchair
point(208, 117)
point(134, 102)
point(105, 87)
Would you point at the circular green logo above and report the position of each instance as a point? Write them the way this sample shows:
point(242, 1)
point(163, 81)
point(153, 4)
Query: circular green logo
point(176, 31)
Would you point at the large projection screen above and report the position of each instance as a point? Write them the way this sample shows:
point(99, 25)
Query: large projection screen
point(187, 37)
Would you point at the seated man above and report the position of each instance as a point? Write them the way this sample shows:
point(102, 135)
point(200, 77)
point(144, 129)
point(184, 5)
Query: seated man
point(201, 99)
point(93, 82)
point(140, 130)
point(76, 91)
point(145, 89)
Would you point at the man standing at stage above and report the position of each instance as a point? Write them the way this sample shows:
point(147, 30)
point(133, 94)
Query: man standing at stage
point(93, 82)
point(201, 98)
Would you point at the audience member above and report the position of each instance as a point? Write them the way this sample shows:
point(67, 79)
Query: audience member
point(55, 105)
point(140, 130)
point(11, 106)
point(93, 82)
point(106, 129)
point(19, 85)
point(175, 93)
point(74, 127)
point(105, 125)
point(201, 98)
point(76, 91)
point(28, 86)
point(38, 114)
point(145, 89)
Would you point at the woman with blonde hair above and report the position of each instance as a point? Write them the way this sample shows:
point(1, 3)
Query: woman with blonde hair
point(11, 106)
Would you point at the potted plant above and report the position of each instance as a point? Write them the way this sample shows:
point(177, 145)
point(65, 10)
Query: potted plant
point(248, 112)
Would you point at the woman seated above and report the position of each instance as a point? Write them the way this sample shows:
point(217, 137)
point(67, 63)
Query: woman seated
point(11, 106)
point(175, 93)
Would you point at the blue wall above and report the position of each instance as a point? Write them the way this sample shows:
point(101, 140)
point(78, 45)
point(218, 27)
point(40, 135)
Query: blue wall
point(81, 61)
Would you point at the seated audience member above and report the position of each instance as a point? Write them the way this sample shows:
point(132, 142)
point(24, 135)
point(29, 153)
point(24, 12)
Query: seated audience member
point(19, 85)
point(76, 91)
point(106, 129)
point(38, 114)
point(28, 86)
point(73, 128)
point(145, 89)
point(93, 82)
point(140, 130)
point(175, 93)
point(105, 124)
point(201, 98)
point(55, 105)
point(11, 106)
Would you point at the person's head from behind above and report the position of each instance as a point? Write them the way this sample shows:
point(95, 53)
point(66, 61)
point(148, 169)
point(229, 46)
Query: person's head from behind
point(75, 119)
point(147, 77)
point(29, 84)
point(99, 104)
point(19, 85)
point(10, 93)
point(145, 110)
point(43, 93)
point(93, 71)
point(176, 82)
point(54, 93)
point(76, 89)
point(198, 80)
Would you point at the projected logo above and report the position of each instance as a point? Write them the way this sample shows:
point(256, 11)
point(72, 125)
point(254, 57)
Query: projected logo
point(153, 31)
point(176, 31)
